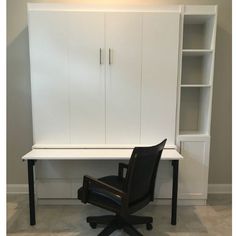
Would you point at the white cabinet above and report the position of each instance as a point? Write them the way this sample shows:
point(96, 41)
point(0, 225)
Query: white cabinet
point(159, 76)
point(123, 77)
point(193, 173)
point(103, 77)
point(49, 82)
point(86, 69)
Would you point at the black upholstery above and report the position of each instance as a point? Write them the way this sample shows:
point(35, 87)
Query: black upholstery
point(104, 198)
point(124, 195)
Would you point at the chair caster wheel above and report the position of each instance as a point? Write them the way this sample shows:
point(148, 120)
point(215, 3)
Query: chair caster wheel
point(93, 225)
point(149, 226)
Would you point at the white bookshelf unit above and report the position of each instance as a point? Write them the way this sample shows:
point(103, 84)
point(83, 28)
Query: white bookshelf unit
point(195, 91)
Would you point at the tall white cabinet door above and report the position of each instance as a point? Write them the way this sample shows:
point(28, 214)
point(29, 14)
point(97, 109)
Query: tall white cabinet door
point(123, 77)
point(49, 84)
point(159, 77)
point(86, 76)
point(193, 174)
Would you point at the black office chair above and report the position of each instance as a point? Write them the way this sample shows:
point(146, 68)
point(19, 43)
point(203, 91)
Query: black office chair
point(124, 195)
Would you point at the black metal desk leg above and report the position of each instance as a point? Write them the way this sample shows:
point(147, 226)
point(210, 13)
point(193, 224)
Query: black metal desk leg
point(31, 191)
point(175, 165)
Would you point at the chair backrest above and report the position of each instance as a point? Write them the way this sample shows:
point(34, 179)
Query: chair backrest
point(141, 173)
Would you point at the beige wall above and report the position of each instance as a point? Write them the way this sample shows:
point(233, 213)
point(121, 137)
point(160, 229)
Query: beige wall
point(19, 134)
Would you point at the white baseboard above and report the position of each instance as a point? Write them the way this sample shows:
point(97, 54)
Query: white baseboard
point(23, 189)
point(220, 188)
point(212, 188)
point(181, 202)
point(17, 188)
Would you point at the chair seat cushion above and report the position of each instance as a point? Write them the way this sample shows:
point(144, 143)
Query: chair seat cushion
point(104, 198)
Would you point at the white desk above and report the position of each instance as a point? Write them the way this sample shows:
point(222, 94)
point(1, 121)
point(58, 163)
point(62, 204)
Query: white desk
point(94, 154)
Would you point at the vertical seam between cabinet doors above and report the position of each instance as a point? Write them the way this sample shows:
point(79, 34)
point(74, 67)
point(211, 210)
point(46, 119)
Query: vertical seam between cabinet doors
point(141, 80)
point(105, 77)
point(68, 74)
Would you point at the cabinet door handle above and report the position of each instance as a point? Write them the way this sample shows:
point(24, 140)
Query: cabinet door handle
point(109, 56)
point(100, 56)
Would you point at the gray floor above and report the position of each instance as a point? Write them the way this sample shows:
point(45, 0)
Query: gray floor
point(213, 219)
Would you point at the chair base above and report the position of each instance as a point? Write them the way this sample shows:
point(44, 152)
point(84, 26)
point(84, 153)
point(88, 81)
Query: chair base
point(115, 222)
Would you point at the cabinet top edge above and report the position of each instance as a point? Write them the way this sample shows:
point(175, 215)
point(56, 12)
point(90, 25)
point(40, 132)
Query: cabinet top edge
point(99, 8)
point(65, 7)
point(200, 9)
point(186, 9)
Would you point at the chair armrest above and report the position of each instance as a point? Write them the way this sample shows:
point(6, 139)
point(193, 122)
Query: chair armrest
point(121, 168)
point(88, 180)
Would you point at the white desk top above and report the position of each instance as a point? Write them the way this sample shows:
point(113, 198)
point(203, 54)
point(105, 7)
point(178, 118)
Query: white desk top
point(91, 154)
